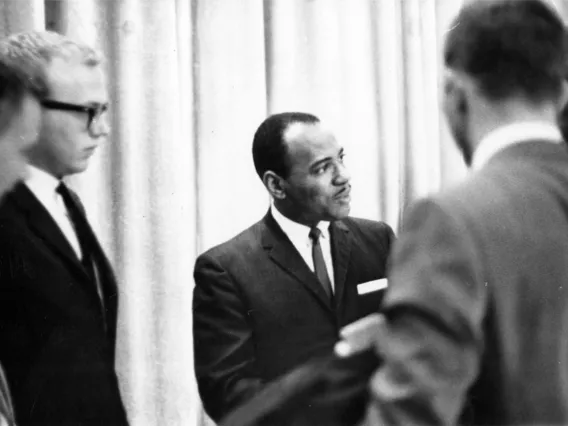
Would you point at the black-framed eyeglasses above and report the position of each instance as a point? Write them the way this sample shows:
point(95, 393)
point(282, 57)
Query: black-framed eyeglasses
point(93, 112)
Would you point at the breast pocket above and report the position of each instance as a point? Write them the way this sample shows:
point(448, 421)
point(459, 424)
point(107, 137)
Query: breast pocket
point(370, 295)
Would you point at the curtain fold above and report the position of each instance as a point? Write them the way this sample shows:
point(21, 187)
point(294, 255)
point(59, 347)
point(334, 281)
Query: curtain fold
point(155, 204)
point(140, 195)
point(231, 98)
point(190, 81)
point(21, 15)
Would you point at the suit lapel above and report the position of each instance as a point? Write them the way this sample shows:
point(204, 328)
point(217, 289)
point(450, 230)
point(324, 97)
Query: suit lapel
point(281, 250)
point(340, 252)
point(43, 226)
point(104, 275)
point(107, 281)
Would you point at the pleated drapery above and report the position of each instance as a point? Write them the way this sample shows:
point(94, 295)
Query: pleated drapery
point(190, 81)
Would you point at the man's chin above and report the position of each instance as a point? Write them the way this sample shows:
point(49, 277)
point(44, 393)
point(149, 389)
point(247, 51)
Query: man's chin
point(76, 168)
point(340, 213)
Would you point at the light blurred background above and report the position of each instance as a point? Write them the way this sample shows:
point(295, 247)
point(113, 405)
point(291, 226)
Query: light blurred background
point(190, 81)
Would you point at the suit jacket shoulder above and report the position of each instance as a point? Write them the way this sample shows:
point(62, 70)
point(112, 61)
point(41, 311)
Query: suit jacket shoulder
point(371, 235)
point(245, 242)
point(372, 231)
point(521, 177)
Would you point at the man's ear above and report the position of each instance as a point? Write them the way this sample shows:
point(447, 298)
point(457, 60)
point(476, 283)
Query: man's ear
point(274, 185)
point(8, 110)
point(455, 93)
point(563, 111)
point(563, 98)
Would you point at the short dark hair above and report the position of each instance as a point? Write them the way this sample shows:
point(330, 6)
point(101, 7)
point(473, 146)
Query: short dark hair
point(509, 47)
point(268, 146)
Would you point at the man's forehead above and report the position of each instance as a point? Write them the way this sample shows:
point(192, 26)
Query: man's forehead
point(73, 78)
point(308, 132)
point(310, 143)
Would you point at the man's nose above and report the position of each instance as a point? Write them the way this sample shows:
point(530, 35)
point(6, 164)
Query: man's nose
point(343, 176)
point(100, 126)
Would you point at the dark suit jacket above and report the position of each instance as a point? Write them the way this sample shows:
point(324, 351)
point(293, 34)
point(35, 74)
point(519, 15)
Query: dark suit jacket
point(477, 306)
point(259, 311)
point(55, 347)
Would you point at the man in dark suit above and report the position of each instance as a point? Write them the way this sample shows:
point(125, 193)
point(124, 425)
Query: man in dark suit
point(476, 315)
point(276, 295)
point(58, 295)
point(19, 127)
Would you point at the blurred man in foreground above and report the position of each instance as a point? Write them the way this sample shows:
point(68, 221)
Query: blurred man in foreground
point(476, 316)
point(20, 115)
point(20, 118)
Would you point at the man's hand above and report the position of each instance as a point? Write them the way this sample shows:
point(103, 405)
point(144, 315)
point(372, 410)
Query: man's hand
point(359, 335)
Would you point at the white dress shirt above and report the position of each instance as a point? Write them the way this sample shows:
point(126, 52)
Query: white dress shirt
point(44, 187)
point(502, 137)
point(299, 235)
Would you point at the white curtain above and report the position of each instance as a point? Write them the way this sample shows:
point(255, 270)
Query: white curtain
point(190, 81)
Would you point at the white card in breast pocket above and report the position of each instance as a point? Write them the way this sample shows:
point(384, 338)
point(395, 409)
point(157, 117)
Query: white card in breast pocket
point(371, 286)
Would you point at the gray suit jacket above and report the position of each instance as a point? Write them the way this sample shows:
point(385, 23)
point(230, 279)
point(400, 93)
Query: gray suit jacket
point(477, 305)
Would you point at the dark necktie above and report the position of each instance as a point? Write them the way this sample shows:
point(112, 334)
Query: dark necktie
point(319, 262)
point(83, 231)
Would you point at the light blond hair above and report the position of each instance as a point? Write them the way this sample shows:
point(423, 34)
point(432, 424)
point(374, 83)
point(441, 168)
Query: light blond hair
point(29, 54)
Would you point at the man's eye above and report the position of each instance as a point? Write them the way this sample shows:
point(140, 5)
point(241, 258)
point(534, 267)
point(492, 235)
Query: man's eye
point(320, 170)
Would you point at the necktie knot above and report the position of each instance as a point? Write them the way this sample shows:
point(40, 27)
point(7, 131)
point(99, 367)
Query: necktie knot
point(64, 192)
point(315, 234)
point(77, 218)
point(73, 205)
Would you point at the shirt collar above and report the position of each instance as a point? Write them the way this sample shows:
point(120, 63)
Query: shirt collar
point(512, 134)
point(295, 230)
point(40, 181)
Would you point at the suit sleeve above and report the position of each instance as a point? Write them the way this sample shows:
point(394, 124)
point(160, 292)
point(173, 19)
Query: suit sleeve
point(15, 334)
point(431, 342)
point(390, 239)
point(223, 340)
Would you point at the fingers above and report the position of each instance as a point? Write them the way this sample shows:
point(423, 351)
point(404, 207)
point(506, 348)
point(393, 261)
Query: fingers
point(359, 335)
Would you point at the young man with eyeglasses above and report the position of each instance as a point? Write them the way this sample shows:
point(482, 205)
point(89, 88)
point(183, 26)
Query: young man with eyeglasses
point(58, 294)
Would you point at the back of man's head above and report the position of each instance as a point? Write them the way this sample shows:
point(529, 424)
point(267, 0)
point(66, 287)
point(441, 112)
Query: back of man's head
point(509, 48)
